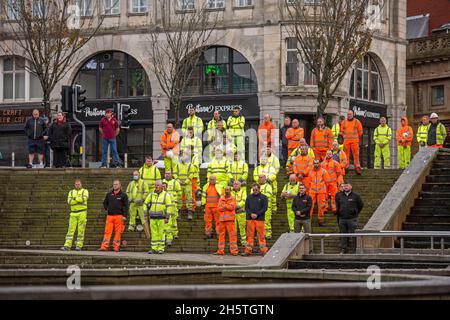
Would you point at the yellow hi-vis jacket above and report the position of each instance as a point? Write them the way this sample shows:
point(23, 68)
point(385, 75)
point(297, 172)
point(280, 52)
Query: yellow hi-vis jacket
point(336, 129)
point(241, 197)
point(137, 190)
point(159, 206)
point(194, 144)
point(422, 133)
point(219, 168)
point(274, 162)
point(382, 135)
point(195, 122)
point(239, 170)
point(185, 172)
point(441, 133)
point(150, 175)
point(174, 189)
point(266, 170)
point(77, 199)
point(236, 126)
point(266, 190)
point(292, 189)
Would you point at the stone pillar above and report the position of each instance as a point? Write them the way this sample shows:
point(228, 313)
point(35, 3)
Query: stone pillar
point(160, 106)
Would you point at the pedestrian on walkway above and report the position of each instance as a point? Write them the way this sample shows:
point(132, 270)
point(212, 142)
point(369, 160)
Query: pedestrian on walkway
point(35, 130)
point(59, 136)
point(77, 200)
point(109, 129)
point(117, 207)
point(349, 205)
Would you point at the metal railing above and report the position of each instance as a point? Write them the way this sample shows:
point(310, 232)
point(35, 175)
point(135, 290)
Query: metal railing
point(385, 234)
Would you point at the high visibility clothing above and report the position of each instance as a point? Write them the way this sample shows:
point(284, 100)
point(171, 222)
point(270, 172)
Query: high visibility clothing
point(293, 136)
point(241, 197)
point(422, 133)
point(382, 135)
point(352, 131)
point(318, 191)
point(266, 190)
point(195, 122)
point(227, 224)
point(170, 141)
point(159, 207)
point(212, 124)
point(293, 190)
point(113, 222)
point(404, 134)
point(258, 227)
point(266, 132)
point(174, 189)
point(302, 166)
point(210, 199)
point(215, 136)
point(77, 199)
point(404, 156)
point(321, 141)
point(352, 148)
point(334, 171)
point(274, 162)
point(194, 144)
point(441, 134)
point(236, 131)
point(187, 174)
point(150, 174)
point(219, 168)
point(336, 130)
point(228, 150)
point(341, 157)
point(137, 191)
point(271, 176)
point(238, 171)
point(294, 155)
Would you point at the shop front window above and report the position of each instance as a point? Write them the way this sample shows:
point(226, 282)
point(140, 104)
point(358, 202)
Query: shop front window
point(366, 83)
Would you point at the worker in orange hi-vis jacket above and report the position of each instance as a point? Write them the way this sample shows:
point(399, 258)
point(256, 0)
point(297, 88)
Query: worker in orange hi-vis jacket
point(335, 172)
point(318, 191)
point(227, 223)
point(293, 136)
point(321, 139)
point(266, 132)
point(340, 156)
point(302, 166)
point(352, 130)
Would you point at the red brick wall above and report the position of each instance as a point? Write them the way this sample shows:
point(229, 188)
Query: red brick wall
point(439, 11)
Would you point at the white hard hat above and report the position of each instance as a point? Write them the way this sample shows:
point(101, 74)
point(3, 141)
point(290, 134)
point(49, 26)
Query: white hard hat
point(434, 115)
point(169, 154)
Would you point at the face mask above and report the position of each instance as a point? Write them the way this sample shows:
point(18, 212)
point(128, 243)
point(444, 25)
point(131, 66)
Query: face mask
point(136, 178)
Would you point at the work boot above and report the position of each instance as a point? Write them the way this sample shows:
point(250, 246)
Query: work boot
point(131, 228)
point(169, 242)
point(175, 237)
point(116, 250)
point(65, 249)
point(102, 249)
point(151, 252)
point(246, 254)
point(269, 237)
point(190, 215)
point(358, 171)
point(219, 253)
point(235, 254)
point(29, 166)
point(263, 253)
point(77, 249)
point(160, 251)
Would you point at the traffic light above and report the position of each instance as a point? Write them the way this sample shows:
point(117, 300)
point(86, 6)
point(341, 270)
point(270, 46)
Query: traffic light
point(126, 116)
point(67, 99)
point(79, 98)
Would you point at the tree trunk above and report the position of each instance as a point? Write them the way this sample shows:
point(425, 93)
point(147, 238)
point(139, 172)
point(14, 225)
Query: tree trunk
point(321, 102)
point(177, 106)
point(46, 104)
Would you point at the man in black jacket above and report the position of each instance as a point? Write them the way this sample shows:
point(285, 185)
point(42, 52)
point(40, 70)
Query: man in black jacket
point(284, 142)
point(116, 206)
point(348, 207)
point(35, 129)
point(302, 208)
point(255, 207)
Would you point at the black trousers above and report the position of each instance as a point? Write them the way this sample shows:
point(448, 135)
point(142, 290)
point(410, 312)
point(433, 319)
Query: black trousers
point(348, 226)
point(60, 157)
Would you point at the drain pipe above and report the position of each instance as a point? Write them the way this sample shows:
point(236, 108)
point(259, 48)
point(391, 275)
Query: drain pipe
point(126, 160)
point(13, 159)
point(108, 157)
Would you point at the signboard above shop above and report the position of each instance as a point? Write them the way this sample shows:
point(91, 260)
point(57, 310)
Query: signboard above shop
point(368, 113)
point(13, 117)
point(206, 106)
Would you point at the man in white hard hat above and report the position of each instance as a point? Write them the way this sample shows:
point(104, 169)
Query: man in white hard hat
point(436, 132)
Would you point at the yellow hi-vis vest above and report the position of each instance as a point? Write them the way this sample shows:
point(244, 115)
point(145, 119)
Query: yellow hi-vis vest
point(219, 169)
point(236, 126)
point(274, 163)
point(422, 133)
point(195, 122)
point(292, 189)
point(238, 170)
point(336, 129)
point(137, 190)
point(174, 189)
point(266, 170)
point(77, 199)
point(441, 133)
point(150, 175)
point(194, 144)
point(266, 190)
point(241, 197)
point(159, 206)
point(382, 135)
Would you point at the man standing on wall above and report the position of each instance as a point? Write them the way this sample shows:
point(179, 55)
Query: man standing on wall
point(109, 129)
point(382, 137)
point(404, 137)
point(36, 132)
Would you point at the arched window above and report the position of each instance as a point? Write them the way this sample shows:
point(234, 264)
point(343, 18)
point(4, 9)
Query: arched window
point(366, 83)
point(17, 83)
point(113, 74)
point(222, 70)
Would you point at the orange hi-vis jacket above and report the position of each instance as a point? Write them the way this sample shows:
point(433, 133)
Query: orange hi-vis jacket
point(351, 130)
point(404, 132)
point(341, 157)
point(212, 197)
point(319, 180)
point(333, 169)
point(266, 132)
point(227, 208)
point(303, 164)
point(293, 136)
point(321, 138)
point(170, 141)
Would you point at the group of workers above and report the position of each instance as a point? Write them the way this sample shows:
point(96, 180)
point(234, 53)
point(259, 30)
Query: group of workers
point(316, 170)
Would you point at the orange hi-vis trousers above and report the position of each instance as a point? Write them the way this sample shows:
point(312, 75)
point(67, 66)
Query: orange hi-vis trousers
point(321, 199)
point(259, 227)
point(320, 153)
point(113, 223)
point(210, 214)
point(332, 189)
point(230, 228)
point(353, 147)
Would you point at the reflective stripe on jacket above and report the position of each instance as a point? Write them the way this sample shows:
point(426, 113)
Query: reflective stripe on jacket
point(77, 199)
point(226, 208)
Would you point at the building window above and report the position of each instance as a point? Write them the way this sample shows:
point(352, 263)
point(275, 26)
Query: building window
point(85, 7)
point(437, 95)
point(17, 83)
point(111, 7)
point(366, 83)
point(13, 9)
point(187, 4)
point(244, 3)
point(214, 4)
point(222, 70)
point(291, 62)
point(113, 75)
point(138, 6)
point(38, 8)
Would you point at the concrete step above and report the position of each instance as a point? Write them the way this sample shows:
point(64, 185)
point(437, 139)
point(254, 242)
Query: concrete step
point(342, 264)
point(436, 187)
point(409, 226)
point(435, 202)
point(434, 195)
point(438, 178)
point(429, 210)
point(428, 219)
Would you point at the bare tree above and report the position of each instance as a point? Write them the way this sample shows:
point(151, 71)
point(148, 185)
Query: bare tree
point(177, 44)
point(50, 33)
point(331, 36)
